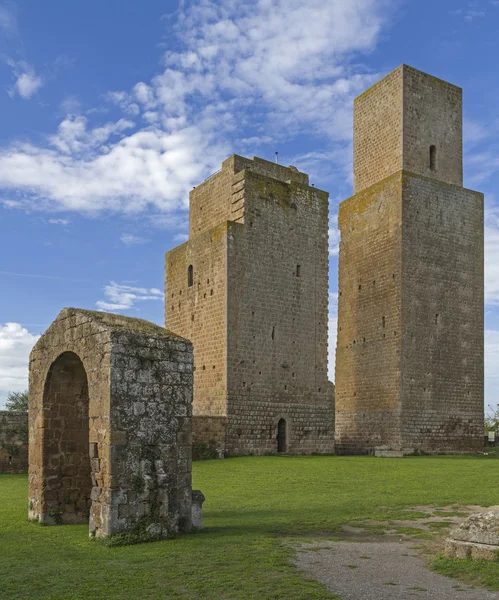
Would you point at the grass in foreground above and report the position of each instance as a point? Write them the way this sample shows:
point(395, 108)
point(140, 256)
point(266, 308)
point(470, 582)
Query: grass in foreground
point(252, 503)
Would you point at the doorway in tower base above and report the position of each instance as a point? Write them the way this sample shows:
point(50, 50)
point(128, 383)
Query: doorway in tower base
point(282, 443)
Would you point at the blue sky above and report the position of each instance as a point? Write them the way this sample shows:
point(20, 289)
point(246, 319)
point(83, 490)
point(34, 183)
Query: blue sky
point(112, 111)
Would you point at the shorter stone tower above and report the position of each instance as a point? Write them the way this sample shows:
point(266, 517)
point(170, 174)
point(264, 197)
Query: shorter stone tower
point(409, 360)
point(250, 290)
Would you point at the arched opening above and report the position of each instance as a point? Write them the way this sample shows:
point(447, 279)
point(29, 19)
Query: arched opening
point(190, 276)
point(281, 436)
point(433, 157)
point(66, 461)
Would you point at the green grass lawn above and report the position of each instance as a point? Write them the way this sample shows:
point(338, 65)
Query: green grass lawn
point(252, 505)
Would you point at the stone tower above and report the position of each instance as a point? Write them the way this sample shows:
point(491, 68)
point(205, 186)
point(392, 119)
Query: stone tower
point(250, 290)
point(409, 361)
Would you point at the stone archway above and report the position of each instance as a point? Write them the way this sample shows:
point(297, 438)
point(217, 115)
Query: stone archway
point(66, 461)
point(110, 409)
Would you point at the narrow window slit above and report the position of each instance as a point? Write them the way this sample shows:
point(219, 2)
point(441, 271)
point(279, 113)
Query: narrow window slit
point(433, 157)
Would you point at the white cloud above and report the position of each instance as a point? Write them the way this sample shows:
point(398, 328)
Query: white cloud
point(491, 368)
point(73, 137)
point(492, 257)
point(471, 14)
point(181, 237)
point(124, 297)
point(474, 131)
point(27, 82)
point(8, 21)
point(63, 222)
point(332, 332)
point(147, 169)
point(295, 64)
point(334, 236)
point(129, 239)
point(15, 345)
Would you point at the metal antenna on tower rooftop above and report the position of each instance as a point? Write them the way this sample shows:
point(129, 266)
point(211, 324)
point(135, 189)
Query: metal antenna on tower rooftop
point(277, 157)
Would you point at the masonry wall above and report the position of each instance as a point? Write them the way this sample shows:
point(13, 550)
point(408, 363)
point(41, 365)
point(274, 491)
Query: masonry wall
point(377, 131)
point(432, 115)
point(368, 351)
point(13, 442)
point(219, 198)
point(397, 120)
point(150, 412)
point(277, 318)
point(210, 203)
point(442, 312)
point(208, 436)
point(199, 313)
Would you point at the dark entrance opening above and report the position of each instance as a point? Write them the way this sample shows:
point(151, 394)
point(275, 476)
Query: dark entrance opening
point(66, 460)
point(281, 436)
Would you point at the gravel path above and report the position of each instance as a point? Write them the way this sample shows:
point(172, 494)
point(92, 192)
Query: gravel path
point(384, 570)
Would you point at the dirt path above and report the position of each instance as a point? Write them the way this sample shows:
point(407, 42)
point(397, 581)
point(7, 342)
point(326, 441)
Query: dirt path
point(375, 560)
point(379, 571)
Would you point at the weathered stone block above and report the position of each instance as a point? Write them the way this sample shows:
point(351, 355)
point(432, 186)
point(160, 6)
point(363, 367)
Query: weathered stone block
point(197, 509)
point(482, 528)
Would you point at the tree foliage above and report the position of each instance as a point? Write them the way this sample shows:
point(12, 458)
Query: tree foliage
point(492, 420)
point(17, 401)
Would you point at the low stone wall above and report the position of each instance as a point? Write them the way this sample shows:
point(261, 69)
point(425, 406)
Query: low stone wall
point(13, 442)
point(208, 437)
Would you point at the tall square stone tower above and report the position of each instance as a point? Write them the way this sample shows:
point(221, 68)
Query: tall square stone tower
point(409, 359)
point(250, 290)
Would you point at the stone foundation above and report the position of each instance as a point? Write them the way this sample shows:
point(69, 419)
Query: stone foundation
point(208, 437)
point(457, 549)
point(476, 538)
point(13, 442)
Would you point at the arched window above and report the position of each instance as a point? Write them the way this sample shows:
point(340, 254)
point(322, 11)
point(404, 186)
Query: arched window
point(190, 276)
point(433, 157)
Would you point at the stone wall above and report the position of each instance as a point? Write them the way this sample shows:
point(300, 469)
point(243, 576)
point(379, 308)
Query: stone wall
point(110, 426)
point(278, 318)
point(13, 442)
point(208, 436)
point(442, 313)
point(377, 131)
point(398, 119)
point(433, 115)
point(369, 339)
point(200, 313)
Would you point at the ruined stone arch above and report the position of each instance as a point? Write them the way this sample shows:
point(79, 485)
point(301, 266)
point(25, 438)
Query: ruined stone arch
point(110, 425)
